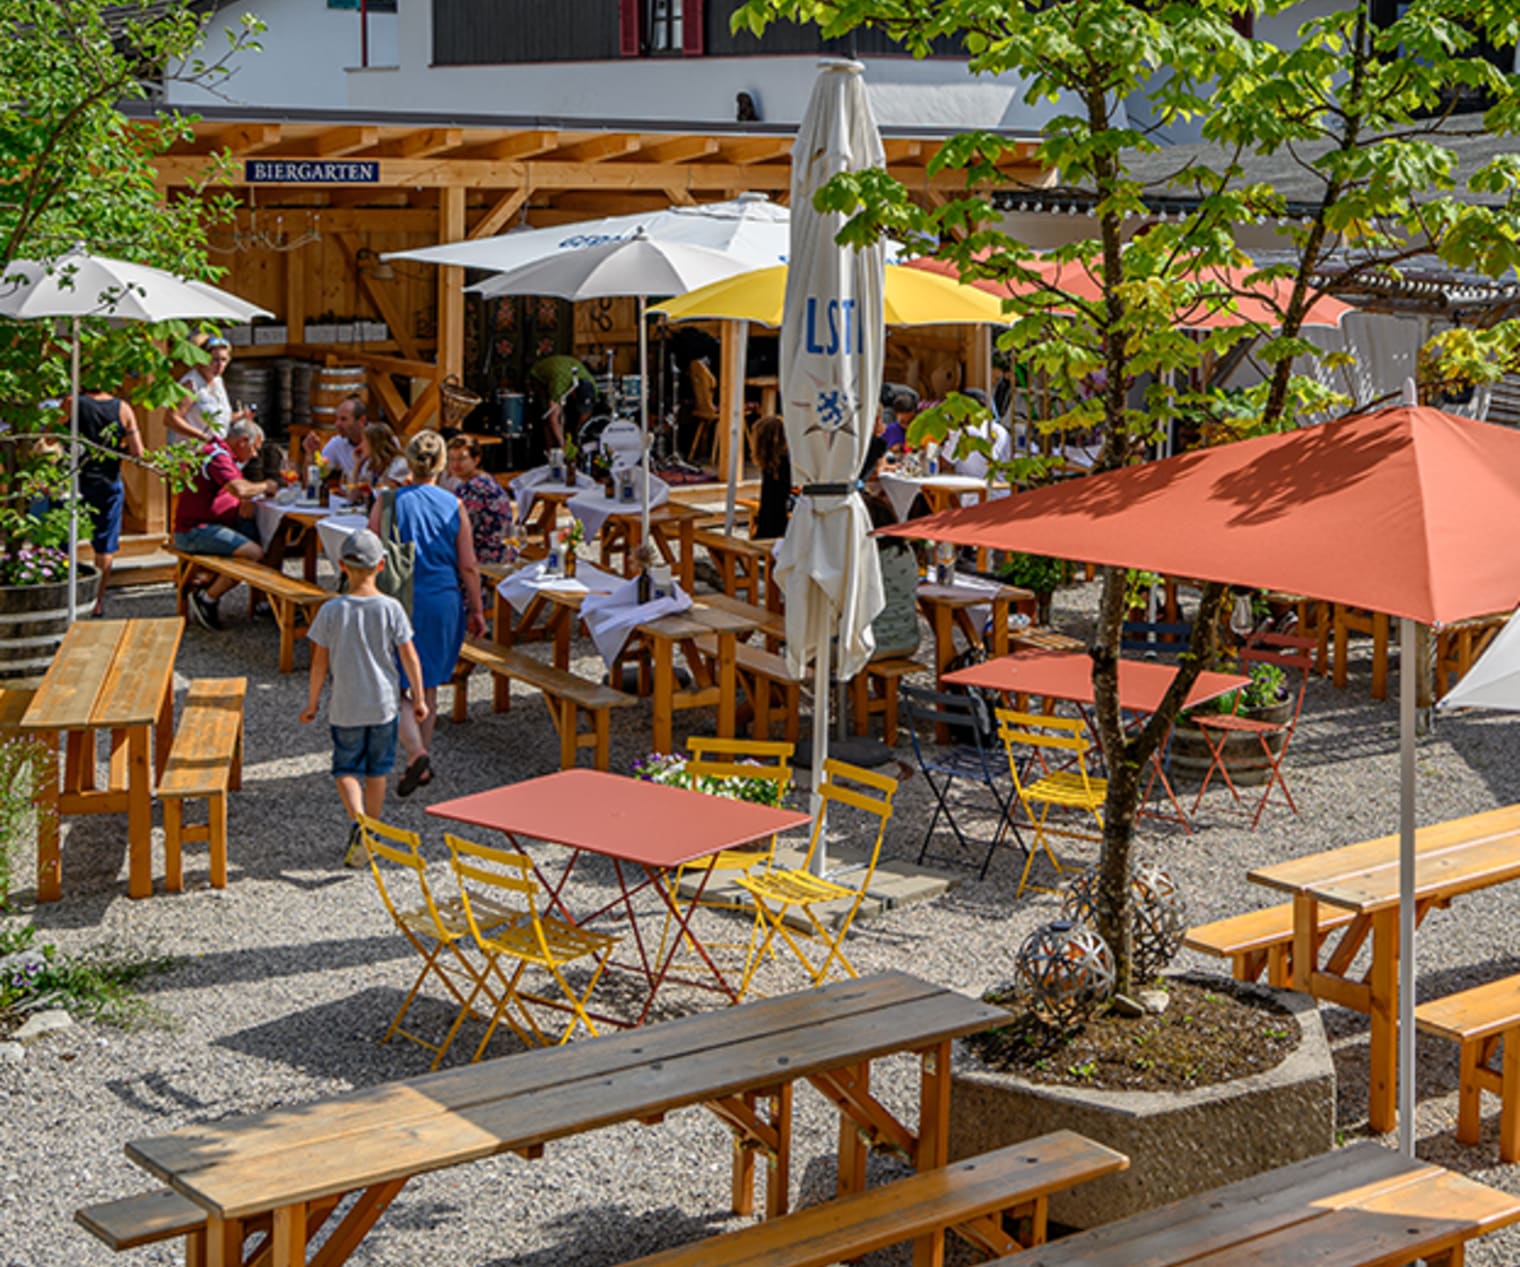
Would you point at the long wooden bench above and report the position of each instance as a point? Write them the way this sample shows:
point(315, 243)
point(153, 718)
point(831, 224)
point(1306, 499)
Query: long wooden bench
point(293, 601)
point(1260, 941)
point(743, 566)
point(205, 762)
point(565, 695)
point(768, 685)
point(973, 1197)
point(1478, 1020)
point(874, 690)
point(14, 701)
point(146, 1219)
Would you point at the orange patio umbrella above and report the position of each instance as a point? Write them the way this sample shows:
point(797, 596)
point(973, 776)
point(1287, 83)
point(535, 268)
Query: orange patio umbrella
point(1256, 303)
point(1408, 511)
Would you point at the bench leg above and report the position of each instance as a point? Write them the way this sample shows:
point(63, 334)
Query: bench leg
point(744, 1165)
point(460, 683)
point(195, 1247)
point(778, 1178)
point(285, 617)
point(1509, 1099)
point(566, 733)
point(174, 820)
point(889, 713)
point(602, 719)
point(235, 774)
point(216, 810)
point(852, 1144)
point(860, 703)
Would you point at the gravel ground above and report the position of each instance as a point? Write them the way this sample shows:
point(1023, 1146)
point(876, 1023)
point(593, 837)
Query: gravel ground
point(287, 977)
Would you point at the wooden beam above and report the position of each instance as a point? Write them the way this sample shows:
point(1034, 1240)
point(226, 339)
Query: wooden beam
point(249, 138)
point(390, 398)
point(365, 196)
point(394, 314)
point(339, 141)
point(507, 206)
point(681, 150)
point(680, 197)
point(450, 285)
point(359, 220)
point(523, 145)
point(760, 150)
point(600, 149)
point(422, 142)
point(421, 413)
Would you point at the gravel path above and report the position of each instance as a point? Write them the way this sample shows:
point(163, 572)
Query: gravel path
point(289, 975)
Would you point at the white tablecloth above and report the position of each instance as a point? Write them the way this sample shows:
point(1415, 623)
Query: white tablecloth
point(594, 508)
point(519, 587)
point(900, 490)
point(612, 617)
point(529, 484)
point(336, 529)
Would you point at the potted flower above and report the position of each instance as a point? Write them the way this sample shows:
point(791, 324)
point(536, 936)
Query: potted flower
point(574, 535)
point(1265, 698)
point(1038, 573)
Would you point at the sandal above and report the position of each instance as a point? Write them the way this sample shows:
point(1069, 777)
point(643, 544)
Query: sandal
point(414, 776)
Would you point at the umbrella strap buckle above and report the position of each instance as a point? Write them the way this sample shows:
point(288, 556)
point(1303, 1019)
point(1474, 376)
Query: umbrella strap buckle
point(830, 490)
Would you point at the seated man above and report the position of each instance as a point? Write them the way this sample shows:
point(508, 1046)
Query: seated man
point(208, 519)
point(342, 450)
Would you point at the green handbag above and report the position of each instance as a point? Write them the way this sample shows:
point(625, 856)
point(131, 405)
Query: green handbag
point(395, 577)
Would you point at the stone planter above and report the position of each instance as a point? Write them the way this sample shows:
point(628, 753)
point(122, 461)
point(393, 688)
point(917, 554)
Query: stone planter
point(1178, 1142)
point(1243, 758)
point(33, 620)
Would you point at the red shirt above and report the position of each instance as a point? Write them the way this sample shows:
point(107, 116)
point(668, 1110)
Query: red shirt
point(207, 501)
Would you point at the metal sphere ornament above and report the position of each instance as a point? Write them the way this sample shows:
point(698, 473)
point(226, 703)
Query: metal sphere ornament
point(1066, 971)
point(1159, 914)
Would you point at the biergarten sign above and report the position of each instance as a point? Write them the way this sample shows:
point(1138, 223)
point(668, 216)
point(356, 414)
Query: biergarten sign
point(310, 171)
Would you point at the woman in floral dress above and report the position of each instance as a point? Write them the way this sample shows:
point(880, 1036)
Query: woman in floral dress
point(485, 501)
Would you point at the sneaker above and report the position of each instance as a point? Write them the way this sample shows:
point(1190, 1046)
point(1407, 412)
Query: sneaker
point(355, 855)
point(205, 610)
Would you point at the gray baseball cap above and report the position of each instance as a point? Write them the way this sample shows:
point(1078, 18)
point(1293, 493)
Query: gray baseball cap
point(362, 549)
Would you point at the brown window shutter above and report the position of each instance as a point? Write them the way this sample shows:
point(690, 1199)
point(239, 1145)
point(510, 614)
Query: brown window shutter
point(628, 28)
point(693, 28)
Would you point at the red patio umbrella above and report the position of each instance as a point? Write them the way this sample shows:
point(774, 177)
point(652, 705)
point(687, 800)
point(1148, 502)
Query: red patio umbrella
point(1408, 511)
point(1227, 300)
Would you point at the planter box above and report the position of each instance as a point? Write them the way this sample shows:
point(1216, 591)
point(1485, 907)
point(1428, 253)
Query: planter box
point(1178, 1142)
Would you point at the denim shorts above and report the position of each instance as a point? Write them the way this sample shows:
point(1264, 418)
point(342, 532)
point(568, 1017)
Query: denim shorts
point(364, 752)
point(216, 538)
point(105, 498)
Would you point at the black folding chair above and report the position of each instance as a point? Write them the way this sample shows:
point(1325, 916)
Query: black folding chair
point(1155, 637)
point(969, 722)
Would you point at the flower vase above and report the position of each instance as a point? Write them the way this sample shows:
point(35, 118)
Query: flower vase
point(569, 562)
point(570, 471)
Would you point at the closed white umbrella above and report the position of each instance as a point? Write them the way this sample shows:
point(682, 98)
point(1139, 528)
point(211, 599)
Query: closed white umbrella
point(634, 266)
point(78, 284)
point(831, 355)
point(1494, 679)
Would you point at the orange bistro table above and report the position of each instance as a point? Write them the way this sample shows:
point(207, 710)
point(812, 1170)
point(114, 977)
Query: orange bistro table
point(640, 827)
point(1067, 675)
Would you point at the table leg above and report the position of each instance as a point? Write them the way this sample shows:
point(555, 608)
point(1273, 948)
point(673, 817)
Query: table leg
point(139, 814)
point(118, 760)
point(1383, 980)
point(287, 1237)
point(727, 686)
point(1305, 943)
point(224, 1242)
point(664, 694)
point(309, 556)
point(933, 1108)
point(999, 628)
point(45, 789)
point(853, 1150)
point(163, 730)
point(79, 761)
point(688, 536)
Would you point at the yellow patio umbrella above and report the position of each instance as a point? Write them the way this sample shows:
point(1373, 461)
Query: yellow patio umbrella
point(913, 298)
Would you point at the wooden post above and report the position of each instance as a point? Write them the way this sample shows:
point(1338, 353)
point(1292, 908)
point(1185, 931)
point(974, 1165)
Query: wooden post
point(451, 228)
point(976, 356)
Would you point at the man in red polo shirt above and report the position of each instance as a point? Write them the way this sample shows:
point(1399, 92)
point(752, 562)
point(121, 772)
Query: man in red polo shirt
point(208, 520)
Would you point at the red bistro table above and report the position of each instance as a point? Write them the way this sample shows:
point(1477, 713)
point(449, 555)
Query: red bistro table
point(637, 825)
point(1067, 675)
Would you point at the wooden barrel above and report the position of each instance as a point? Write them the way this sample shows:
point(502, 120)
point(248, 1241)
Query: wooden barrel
point(33, 620)
point(253, 383)
point(331, 385)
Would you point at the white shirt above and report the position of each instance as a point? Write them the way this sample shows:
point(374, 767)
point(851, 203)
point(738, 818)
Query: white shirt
point(975, 464)
point(209, 409)
point(340, 453)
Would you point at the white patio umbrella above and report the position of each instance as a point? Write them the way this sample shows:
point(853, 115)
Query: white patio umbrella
point(78, 284)
point(1494, 679)
point(639, 266)
point(831, 355)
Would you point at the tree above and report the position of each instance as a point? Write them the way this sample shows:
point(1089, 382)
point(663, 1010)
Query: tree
point(1367, 111)
point(74, 169)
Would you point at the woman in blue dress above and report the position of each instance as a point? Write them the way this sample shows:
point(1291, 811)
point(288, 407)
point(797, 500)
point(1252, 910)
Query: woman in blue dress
point(430, 518)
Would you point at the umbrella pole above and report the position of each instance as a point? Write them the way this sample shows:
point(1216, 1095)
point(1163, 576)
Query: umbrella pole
point(644, 418)
point(1408, 672)
point(821, 746)
point(74, 476)
point(735, 422)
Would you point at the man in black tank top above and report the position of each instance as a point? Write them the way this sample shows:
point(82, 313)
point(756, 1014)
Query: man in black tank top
point(107, 429)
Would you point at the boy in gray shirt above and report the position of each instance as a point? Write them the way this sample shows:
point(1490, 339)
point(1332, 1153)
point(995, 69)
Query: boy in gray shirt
point(360, 635)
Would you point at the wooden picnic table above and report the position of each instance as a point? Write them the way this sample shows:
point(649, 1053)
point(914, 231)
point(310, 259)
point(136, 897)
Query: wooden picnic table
point(115, 676)
point(627, 821)
point(672, 530)
point(949, 607)
point(1362, 1206)
point(1460, 856)
point(296, 1163)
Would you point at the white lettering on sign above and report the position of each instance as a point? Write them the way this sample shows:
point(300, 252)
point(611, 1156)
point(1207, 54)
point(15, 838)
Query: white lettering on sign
point(281, 171)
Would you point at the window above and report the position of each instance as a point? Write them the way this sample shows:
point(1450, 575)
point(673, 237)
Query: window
point(663, 32)
point(660, 28)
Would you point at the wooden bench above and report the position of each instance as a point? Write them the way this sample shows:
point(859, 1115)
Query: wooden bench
point(770, 623)
point(972, 1196)
point(744, 566)
point(768, 685)
point(146, 1219)
point(874, 690)
point(1260, 940)
point(1478, 1020)
point(205, 762)
point(1350, 620)
point(14, 701)
point(1460, 643)
point(293, 601)
point(565, 695)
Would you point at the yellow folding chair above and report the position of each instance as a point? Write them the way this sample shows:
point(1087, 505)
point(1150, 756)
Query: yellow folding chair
point(1069, 787)
point(443, 924)
point(730, 759)
point(777, 893)
point(526, 937)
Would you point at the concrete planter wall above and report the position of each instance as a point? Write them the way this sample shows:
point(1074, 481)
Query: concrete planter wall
point(1178, 1142)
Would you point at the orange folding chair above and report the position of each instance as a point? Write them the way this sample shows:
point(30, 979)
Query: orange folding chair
point(1292, 654)
point(443, 924)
